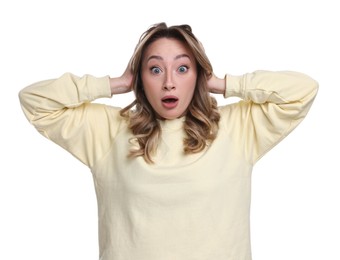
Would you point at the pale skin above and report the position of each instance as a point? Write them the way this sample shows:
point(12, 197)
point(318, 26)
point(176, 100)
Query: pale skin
point(168, 71)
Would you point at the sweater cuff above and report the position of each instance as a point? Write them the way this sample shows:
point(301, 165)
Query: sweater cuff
point(233, 86)
point(98, 87)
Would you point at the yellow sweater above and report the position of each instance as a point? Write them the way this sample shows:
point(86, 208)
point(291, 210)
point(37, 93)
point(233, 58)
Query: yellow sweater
point(183, 207)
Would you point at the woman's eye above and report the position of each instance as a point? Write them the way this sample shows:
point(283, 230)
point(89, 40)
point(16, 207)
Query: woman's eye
point(182, 69)
point(155, 70)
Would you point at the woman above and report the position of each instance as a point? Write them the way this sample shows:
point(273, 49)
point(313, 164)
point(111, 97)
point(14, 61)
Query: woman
point(172, 171)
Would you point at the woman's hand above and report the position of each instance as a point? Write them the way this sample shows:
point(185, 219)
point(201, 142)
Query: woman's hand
point(216, 85)
point(122, 84)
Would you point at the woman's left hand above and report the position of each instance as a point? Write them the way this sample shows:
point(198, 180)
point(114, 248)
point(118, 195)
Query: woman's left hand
point(216, 85)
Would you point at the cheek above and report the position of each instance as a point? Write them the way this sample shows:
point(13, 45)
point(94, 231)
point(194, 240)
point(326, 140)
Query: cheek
point(191, 95)
point(191, 90)
point(150, 84)
point(151, 94)
point(147, 86)
point(150, 97)
point(188, 96)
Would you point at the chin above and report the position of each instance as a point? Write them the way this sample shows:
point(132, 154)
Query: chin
point(169, 117)
point(174, 117)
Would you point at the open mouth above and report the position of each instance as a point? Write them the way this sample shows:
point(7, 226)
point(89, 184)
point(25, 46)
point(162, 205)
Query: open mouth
point(170, 101)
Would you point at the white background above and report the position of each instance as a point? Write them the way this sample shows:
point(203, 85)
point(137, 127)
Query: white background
point(47, 199)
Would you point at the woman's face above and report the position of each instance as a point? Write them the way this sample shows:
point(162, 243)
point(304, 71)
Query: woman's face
point(169, 76)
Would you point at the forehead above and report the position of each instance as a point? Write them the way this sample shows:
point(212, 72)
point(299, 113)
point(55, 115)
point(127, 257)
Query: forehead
point(167, 47)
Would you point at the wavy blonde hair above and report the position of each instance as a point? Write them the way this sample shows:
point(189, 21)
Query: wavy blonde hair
point(202, 116)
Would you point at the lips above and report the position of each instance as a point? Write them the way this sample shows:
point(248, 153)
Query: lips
point(170, 101)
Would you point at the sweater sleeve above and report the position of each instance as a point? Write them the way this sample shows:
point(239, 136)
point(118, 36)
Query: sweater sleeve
point(272, 105)
point(61, 110)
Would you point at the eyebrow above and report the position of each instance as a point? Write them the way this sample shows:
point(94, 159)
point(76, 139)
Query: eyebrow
point(157, 57)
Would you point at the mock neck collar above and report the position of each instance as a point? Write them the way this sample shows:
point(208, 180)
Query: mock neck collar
point(172, 124)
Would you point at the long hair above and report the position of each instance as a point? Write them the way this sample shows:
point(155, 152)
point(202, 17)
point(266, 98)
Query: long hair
point(202, 116)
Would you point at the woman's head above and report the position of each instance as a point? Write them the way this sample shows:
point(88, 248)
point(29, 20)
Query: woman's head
point(170, 72)
point(169, 60)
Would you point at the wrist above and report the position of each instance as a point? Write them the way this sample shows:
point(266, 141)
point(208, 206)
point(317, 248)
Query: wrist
point(118, 86)
point(217, 85)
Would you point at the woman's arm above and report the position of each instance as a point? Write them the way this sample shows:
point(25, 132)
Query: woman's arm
point(273, 104)
point(62, 111)
point(217, 85)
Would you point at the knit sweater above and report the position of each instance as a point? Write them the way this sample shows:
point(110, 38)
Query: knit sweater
point(182, 207)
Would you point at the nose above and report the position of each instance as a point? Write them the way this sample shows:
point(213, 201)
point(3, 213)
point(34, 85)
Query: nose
point(168, 83)
point(168, 87)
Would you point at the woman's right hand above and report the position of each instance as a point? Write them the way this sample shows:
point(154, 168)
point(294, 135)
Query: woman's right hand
point(122, 84)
